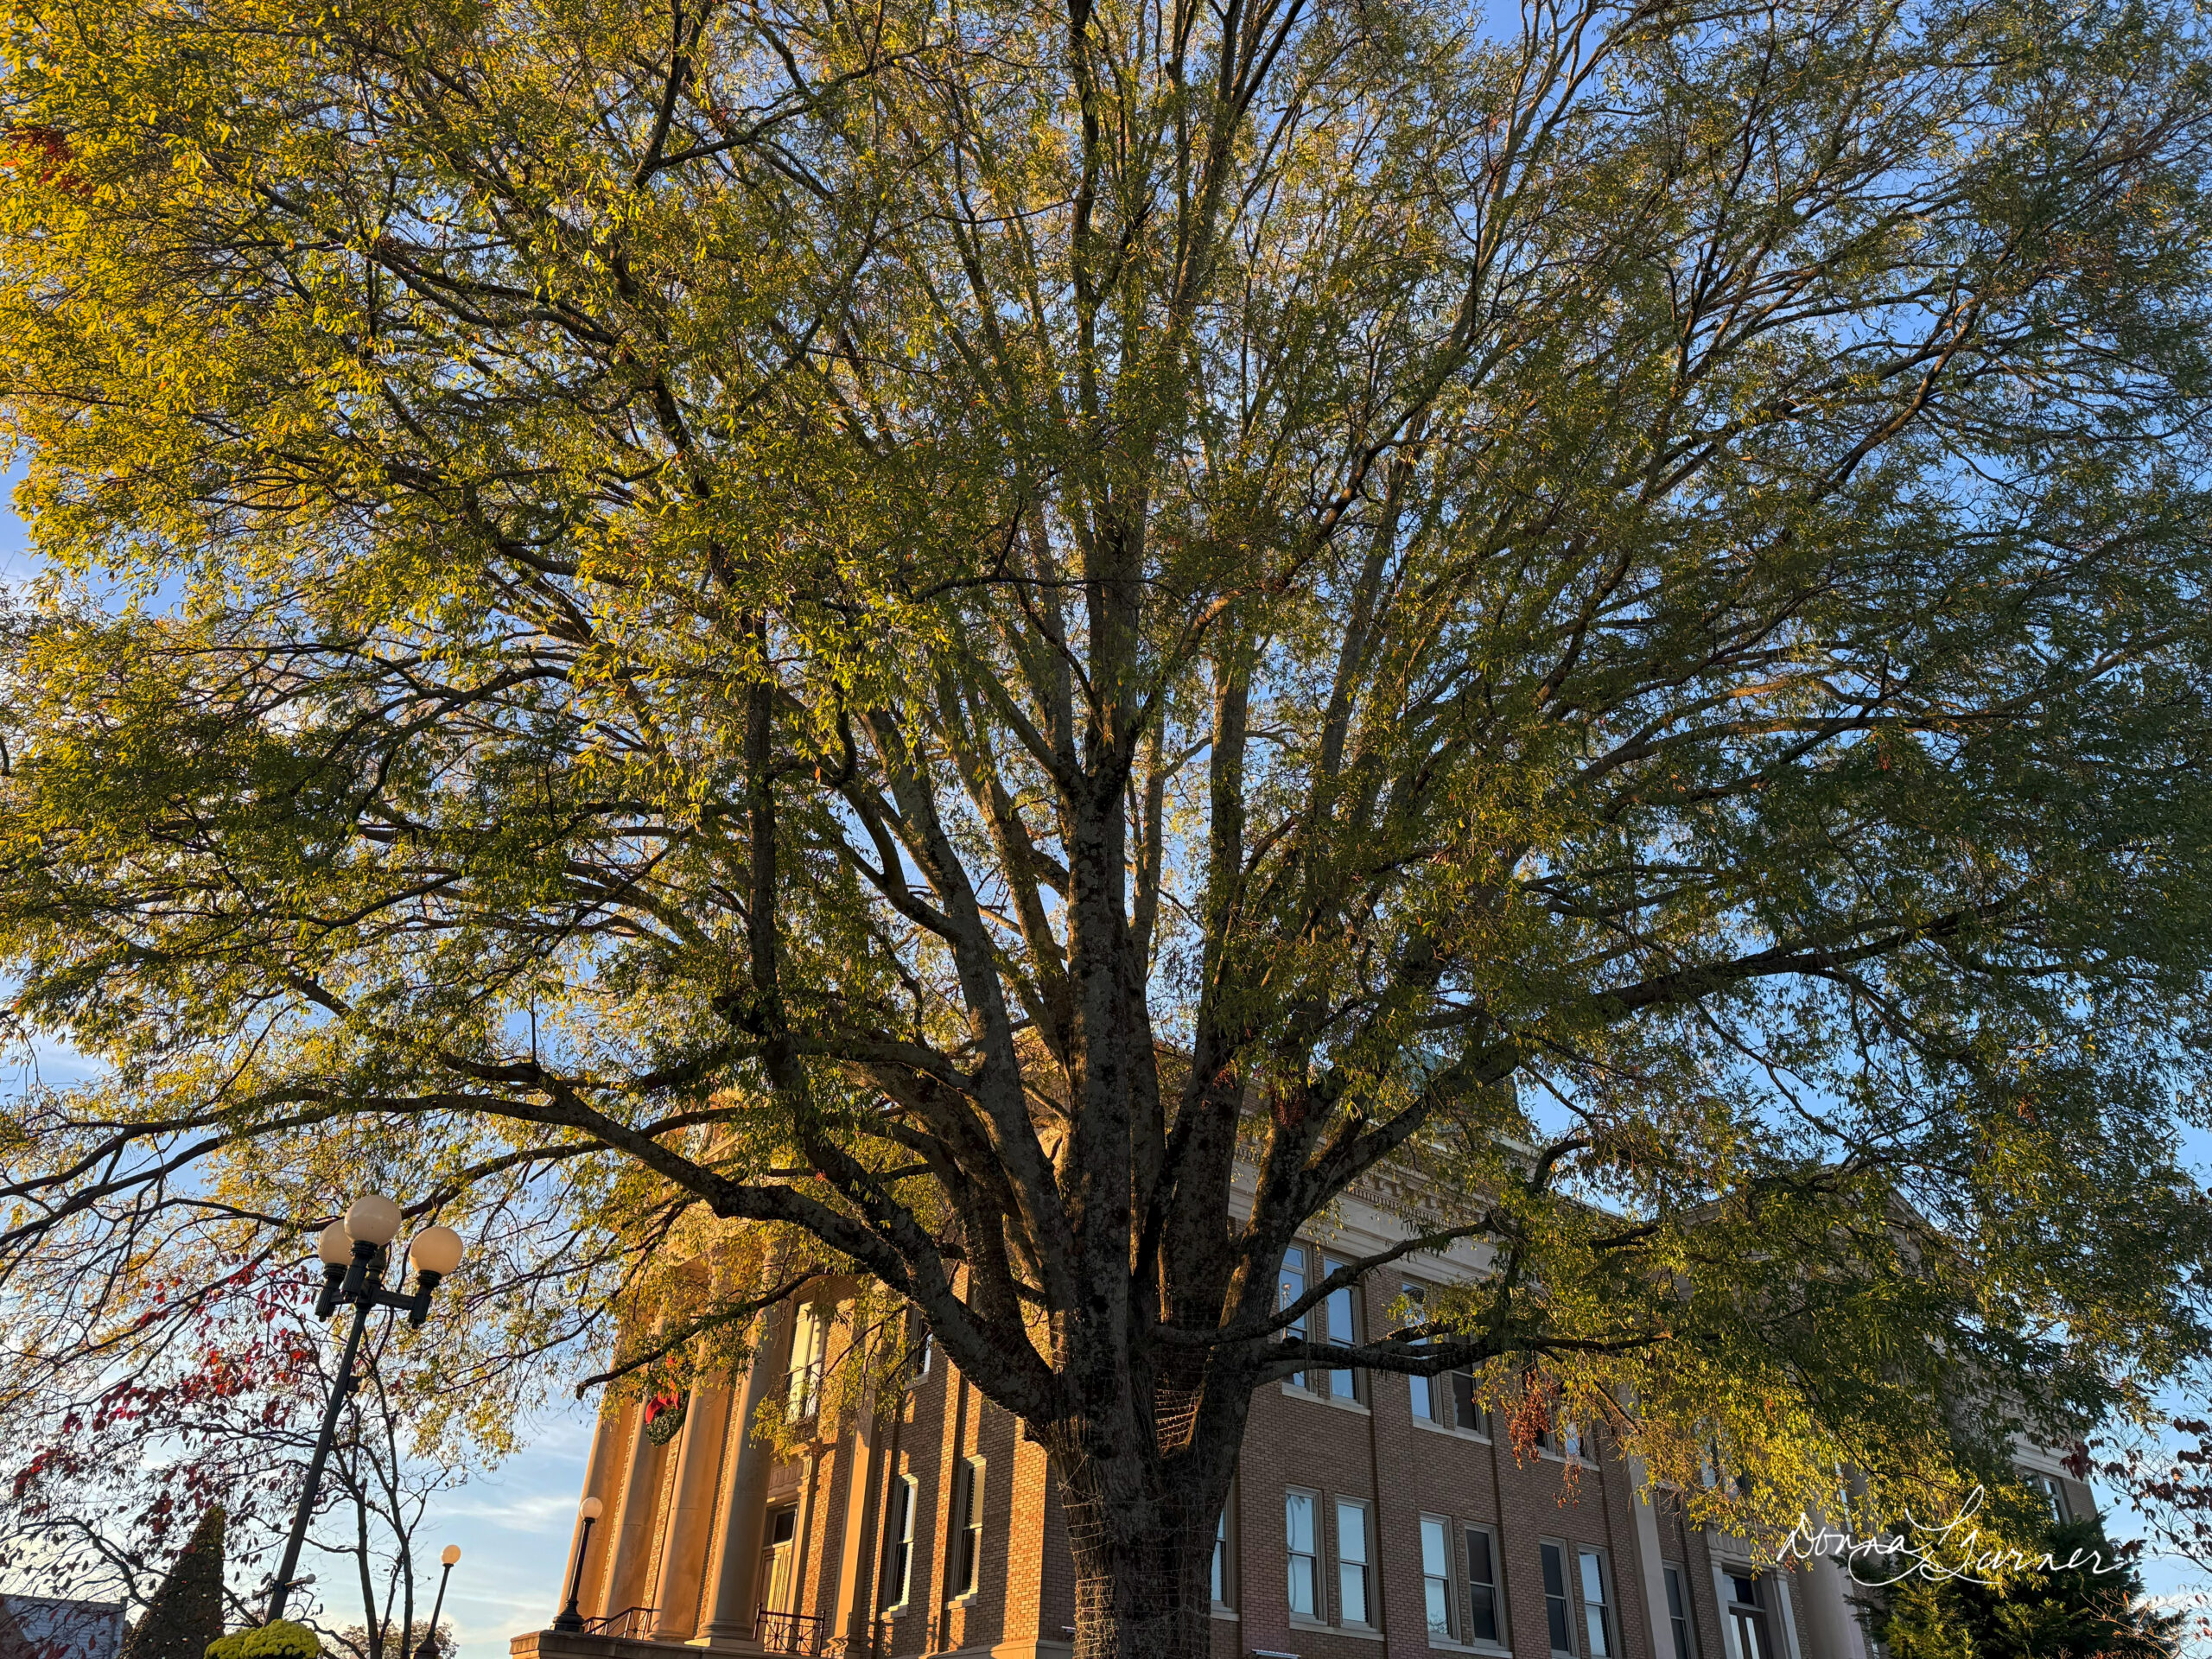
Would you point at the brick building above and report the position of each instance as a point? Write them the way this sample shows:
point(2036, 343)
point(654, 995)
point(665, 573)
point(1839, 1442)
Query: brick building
point(1373, 1516)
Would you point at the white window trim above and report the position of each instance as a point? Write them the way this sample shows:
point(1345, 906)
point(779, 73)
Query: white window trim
point(1360, 1380)
point(1317, 1619)
point(1722, 1600)
point(1581, 1459)
point(1304, 1329)
point(2055, 1495)
point(1782, 1619)
point(809, 1361)
point(1608, 1610)
point(1450, 1638)
point(911, 1490)
point(1566, 1575)
point(1782, 1604)
point(1452, 1429)
point(1690, 1610)
point(970, 1495)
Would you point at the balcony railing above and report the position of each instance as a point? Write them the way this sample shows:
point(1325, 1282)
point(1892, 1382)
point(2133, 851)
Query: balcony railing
point(805, 1635)
point(633, 1622)
point(794, 1633)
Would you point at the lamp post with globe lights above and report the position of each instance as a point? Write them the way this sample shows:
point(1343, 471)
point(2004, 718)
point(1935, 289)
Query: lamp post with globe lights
point(570, 1618)
point(354, 1251)
point(428, 1647)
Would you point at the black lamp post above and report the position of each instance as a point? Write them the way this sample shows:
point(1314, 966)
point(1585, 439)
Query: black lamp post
point(354, 1263)
point(569, 1618)
point(428, 1647)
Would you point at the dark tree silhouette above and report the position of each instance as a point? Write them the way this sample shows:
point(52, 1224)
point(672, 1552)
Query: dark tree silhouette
point(186, 1612)
point(2089, 1602)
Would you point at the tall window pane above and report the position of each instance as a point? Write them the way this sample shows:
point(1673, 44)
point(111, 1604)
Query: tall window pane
point(810, 1346)
point(1305, 1562)
point(971, 1530)
point(1482, 1587)
point(1436, 1576)
point(1221, 1559)
point(1294, 1286)
point(1342, 1328)
point(898, 1575)
point(1595, 1625)
point(1465, 1413)
point(1556, 1620)
point(1678, 1615)
point(1351, 1563)
point(1423, 1388)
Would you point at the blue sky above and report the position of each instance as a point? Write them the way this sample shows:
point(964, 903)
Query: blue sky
point(512, 1523)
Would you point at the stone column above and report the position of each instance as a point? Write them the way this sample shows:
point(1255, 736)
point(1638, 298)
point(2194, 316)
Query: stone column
point(1831, 1629)
point(747, 1502)
point(632, 1524)
point(690, 1511)
point(600, 1470)
point(1651, 1568)
point(848, 1614)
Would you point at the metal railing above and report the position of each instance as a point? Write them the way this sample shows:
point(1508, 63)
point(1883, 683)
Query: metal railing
point(632, 1622)
point(793, 1633)
point(807, 1636)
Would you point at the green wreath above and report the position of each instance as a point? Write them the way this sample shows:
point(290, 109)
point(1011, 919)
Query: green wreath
point(665, 1414)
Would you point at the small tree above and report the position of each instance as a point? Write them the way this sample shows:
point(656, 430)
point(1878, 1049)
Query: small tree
point(186, 1612)
point(219, 1404)
point(2086, 1602)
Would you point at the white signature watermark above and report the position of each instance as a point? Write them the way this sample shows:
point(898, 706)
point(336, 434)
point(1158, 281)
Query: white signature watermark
point(1925, 1550)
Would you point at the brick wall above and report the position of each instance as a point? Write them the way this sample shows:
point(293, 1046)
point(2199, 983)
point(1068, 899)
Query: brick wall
point(1372, 1450)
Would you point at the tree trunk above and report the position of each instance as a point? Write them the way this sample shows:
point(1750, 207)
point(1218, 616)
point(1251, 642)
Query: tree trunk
point(1143, 1551)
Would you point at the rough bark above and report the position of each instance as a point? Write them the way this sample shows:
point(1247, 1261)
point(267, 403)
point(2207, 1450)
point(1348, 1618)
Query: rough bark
point(1141, 1536)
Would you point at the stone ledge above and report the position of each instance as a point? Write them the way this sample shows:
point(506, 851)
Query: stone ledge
point(580, 1644)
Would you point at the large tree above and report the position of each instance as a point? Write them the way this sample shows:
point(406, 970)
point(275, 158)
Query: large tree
point(1032, 643)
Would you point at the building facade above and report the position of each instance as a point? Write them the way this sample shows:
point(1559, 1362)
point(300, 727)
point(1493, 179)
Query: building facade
point(43, 1627)
point(1373, 1516)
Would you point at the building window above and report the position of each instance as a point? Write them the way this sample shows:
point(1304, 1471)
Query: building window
point(923, 1349)
point(1449, 1402)
point(1559, 1439)
point(1294, 1286)
point(1437, 1598)
point(1342, 1309)
point(1423, 1387)
point(1596, 1604)
point(780, 1593)
point(1467, 1411)
point(970, 1557)
point(899, 1570)
point(1353, 1606)
point(2053, 1494)
point(1557, 1618)
point(810, 1348)
point(1486, 1618)
point(1221, 1558)
point(1678, 1614)
point(1747, 1613)
point(1298, 1518)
